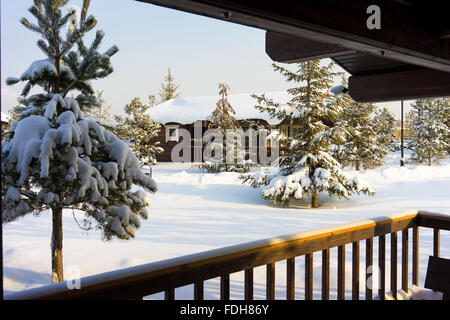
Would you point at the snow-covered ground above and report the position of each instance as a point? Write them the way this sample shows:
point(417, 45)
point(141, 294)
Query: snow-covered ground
point(195, 211)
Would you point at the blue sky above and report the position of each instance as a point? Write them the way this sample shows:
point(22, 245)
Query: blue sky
point(200, 51)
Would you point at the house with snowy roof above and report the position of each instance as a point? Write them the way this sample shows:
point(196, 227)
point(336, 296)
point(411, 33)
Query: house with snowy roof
point(191, 114)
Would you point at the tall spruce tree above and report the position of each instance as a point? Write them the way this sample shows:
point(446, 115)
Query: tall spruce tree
point(371, 134)
point(225, 139)
point(54, 158)
point(140, 130)
point(384, 124)
point(446, 113)
point(308, 166)
point(169, 90)
point(429, 141)
point(361, 146)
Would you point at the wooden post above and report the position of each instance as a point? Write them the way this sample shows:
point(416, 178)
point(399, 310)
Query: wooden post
point(270, 281)
point(248, 284)
point(198, 290)
point(309, 276)
point(382, 265)
point(341, 273)
point(415, 262)
point(355, 270)
point(405, 260)
point(436, 242)
point(169, 294)
point(290, 279)
point(394, 264)
point(369, 264)
point(326, 274)
point(225, 287)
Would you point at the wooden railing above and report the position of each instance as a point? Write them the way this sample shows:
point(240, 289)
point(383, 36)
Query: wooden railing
point(165, 276)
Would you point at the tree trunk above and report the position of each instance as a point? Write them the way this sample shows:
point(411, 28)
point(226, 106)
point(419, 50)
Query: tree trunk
point(357, 166)
point(314, 201)
point(56, 246)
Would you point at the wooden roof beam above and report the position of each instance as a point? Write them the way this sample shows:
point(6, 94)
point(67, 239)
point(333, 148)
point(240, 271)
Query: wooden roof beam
point(289, 49)
point(341, 23)
point(401, 85)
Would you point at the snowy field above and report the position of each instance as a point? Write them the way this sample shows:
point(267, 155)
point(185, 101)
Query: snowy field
point(195, 211)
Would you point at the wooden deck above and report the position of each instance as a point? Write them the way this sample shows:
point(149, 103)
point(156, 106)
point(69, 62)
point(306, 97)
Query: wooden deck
point(165, 276)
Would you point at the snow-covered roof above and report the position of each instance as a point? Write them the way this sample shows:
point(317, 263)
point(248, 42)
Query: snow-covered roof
point(4, 117)
point(191, 109)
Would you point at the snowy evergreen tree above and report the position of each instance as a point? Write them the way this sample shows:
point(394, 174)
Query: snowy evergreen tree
point(429, 141)
point(168, 89)
point(225, 139)
point(446, 106)
point(384, 124)
point(370, 134)
point(139, 129)
point(308, 166)
point(55, 158)
point(361, 147)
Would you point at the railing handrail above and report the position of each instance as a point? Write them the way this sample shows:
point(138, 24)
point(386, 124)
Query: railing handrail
point(158, 276)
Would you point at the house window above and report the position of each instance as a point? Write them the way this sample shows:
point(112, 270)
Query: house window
point(172, 133)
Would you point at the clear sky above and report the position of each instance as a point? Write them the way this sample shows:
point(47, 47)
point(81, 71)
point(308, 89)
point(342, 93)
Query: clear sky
point(200, 51)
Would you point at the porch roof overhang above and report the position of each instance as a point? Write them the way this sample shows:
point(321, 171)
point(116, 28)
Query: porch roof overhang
point(408, 58)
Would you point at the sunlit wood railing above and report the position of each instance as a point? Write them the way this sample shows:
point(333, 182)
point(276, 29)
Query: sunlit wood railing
point(165, 276)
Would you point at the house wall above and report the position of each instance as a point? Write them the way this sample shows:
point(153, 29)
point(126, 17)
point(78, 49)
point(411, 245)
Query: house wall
point(168, 146)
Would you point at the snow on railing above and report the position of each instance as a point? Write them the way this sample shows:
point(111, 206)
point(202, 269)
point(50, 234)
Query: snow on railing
point(165, 276)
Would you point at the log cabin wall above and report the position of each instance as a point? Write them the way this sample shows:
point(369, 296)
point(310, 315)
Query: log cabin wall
point(168, 145)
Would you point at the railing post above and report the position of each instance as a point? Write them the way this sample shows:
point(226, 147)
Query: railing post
point(415, 262)
point(326, 274)
point(309, 276)
point(169, 294)
point(394, 264)
point(270, 281)
point(198, 290)
point(382, 265)
point(290, 279)
point(355, 270)
point(436, 242)
point(225, 287)
point(405, 260)
point(248, 286)
point(341, 273)
point(369, 263)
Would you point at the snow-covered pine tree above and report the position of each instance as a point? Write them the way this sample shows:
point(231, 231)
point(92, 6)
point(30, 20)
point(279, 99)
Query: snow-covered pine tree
point(168, 89)
point(140, 130)
point(384, 124)
point(55, 159)
point(229, 151)
point(361, 148)
point(429, 141)
point(308, 166)
point(446, 105)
